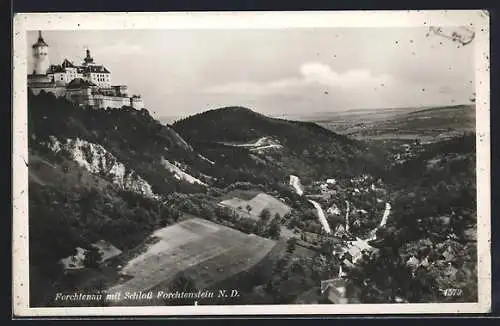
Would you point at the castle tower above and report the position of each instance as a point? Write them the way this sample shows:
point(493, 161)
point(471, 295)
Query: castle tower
point(40, 56)
point(88, 60)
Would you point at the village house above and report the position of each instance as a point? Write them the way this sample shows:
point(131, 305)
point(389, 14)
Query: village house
point(77, 262)
point(334, 290)
point(355, 251)
point(333, 210)
point(74, 262)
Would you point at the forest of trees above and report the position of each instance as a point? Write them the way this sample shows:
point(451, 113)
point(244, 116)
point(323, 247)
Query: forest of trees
point(433, 215)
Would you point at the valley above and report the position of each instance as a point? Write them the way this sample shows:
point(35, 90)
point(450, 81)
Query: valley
point(230, 198)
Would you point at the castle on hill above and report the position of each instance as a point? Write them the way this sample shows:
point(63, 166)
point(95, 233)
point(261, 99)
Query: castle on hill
point(88, 84)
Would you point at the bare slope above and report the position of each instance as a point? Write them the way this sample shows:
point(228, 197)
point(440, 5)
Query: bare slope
point(132, 136)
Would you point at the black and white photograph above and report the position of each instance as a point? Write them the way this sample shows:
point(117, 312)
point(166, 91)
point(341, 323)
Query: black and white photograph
point(236, 163)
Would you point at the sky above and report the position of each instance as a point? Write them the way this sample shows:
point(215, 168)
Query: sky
point(292, 71)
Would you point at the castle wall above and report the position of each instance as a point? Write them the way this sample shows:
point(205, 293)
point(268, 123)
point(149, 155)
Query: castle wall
point(56, 90)
point(113, 102)
point(80, 96)
point(85, 96)
point(137, 103)
point(100, 79)
point(121, 90)
point(63, 78)
point(39, 79)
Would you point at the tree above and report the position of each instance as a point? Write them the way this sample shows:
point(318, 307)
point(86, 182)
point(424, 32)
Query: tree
point(265, 215)
point(260, 228)
point(291, 245)
point(92, 257)
point(274, 230)
point(272, 286)
point(208, 212)
point(287, 216)
point(182, 283)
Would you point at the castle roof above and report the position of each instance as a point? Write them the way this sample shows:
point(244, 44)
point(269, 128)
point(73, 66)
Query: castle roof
point(55, 68)
point(67, 64)
point(80, 83)
point(97, 69)
point(40, 41)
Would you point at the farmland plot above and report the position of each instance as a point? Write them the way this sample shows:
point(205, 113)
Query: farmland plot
point(208, 251)
point(231, 262)
point(257, 204)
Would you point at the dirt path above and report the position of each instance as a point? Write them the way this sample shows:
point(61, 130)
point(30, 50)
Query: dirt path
point(321, 216)
point(295, 183)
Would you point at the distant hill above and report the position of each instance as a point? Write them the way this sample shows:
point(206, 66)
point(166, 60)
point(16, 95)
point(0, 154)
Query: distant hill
point(423, 123)
point(394, 123)
point(307, 149)
point(459, 117)
point(443, 109)
point(446, 159)
point(169, 119)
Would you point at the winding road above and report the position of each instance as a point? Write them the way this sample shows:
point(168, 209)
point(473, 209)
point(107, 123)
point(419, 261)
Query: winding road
point(385, 217)
point(299, 189)
point(321, 216)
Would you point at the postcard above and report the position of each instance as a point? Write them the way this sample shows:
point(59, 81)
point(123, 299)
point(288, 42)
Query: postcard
point(251, 163)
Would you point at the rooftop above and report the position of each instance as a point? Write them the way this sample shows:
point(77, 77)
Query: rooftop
point(67, 64)
point(98, 69)
point(336, 283)
point(85, 69)
point(55, 69)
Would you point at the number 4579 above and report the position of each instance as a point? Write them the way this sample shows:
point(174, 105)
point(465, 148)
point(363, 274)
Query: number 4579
point(451, 292)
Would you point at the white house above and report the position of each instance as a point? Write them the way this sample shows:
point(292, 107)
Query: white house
point(76, 262)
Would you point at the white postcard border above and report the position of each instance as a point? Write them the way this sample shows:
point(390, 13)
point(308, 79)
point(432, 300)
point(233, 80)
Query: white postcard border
point(479, 19)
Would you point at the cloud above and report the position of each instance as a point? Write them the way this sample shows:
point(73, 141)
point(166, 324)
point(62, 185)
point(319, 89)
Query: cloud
point(319, 87)
point(311, 74)
point(324, 75)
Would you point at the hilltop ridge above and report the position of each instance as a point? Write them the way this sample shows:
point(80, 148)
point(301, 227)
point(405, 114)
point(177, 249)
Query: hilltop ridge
point(307, 148)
